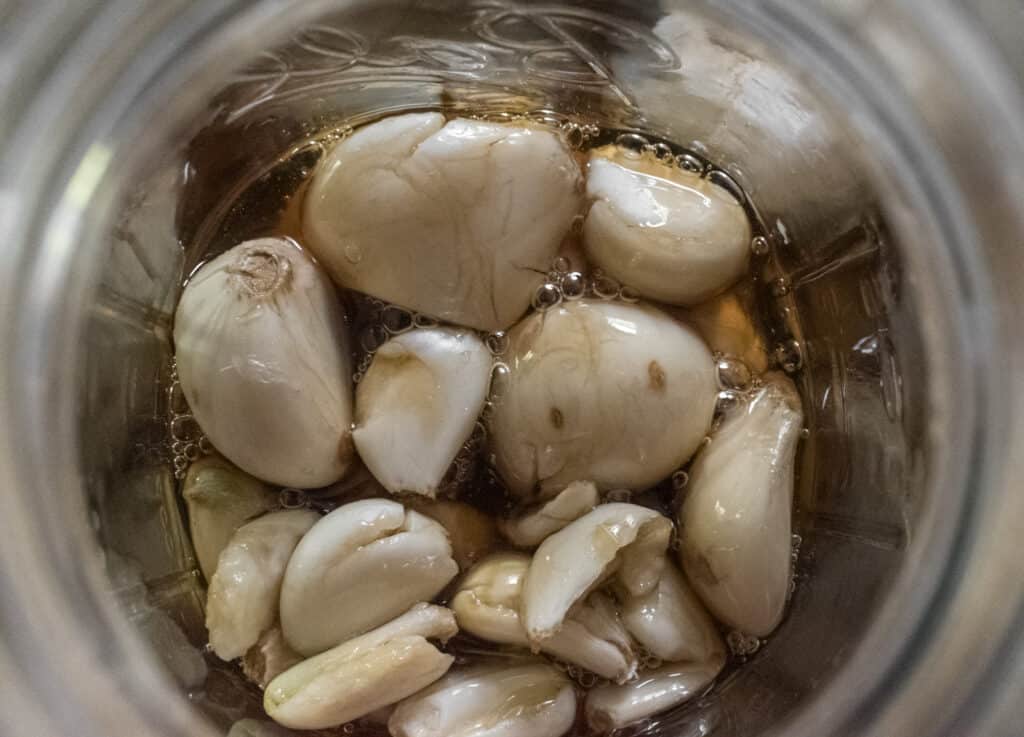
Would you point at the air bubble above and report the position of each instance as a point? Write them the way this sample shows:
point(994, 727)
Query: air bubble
point(789, 356)
point(500, 374)
point(352, 253)
point(727, 400)
point(662, 151)
point(373, 337)
point(618, 495)
point(628, 294)
point(632, 144)
point(290, 498)
point(205, 445)
point(348, 729)
point(605, 287)
point(424, 321)
point(561, 265)
point(680, 479)
point(396, 320)
point(575, 136)
point(805, 433)
point(497, 343)
point(689, 162)
point(546, 297)
point(726, 182)
point(184, 427)
point(781, 287)
point(574, 285)
point(732, 373)
point(192, 452)
point(759, 245)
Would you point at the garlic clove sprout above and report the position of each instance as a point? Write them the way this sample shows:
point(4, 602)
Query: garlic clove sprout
point(735, 521)
point(525, 699)
point(472, 533)
point(359, 567)
point(268, 658)
point(242, 599)
point(418, 404)
point(220, 498)
point(481, 210)
point(727, 324)
point(620, 394)
point(669, 233)
point(530, 529)
point(263, 359)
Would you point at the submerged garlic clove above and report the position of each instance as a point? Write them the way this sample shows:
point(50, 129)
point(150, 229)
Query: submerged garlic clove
point(593, 637)
point(727, 324)
point(524, 699)
point(620, 394)
point(669, 233)
point(268, 658)
point(220, 498)
point(472, 533)
point(418, 404)
point(359, 567)
point(241, 602)
point(735, 522)
point(263, 359)
point(481, 210)
point(529, 530)
point(256, 728)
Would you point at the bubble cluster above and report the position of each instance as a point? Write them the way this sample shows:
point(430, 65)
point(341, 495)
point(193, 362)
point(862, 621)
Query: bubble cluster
point(732, 373)
point(378, 322)
point(742, 645)
point(789, 356)
point(186, 439)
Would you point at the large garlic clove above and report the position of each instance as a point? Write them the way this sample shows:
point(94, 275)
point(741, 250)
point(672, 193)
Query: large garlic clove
point(529, 530)
point(263, 359)
point(593, 636)
point(727, 324)
point(472, 533)
point(668, 233)
point(578, 558)
point(474, 213)
point(608, 708)
point(670, 621)
point(527, 699)
point(735, 521)
point(418, 404)
point(220, 498)
point(360, 566)
point(268, 658)
point(242, 599)
point(620, 394)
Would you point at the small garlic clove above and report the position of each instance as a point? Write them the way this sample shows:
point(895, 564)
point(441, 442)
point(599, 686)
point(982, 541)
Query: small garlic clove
point(481, 210)
point(736, 519)
point(268, 658)
point(524, 699)
point(530, 529)
point(256, 728)
point(667, 232)
point(488, 599)
point(619, 394)
point(263, 359)
point(612, 707)
point(242, 599)
point(220, 498)
point(727, 325)
point(593, 636)
point(418, 404)
point(359, 567)
point(472, 533)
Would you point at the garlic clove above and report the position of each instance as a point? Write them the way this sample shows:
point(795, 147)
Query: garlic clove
point(256, 728)
point(471, 532)
point(620, 394)
point(268, 658)
point(727, 325)
point(359, 567)
point(263, 359)
point(242, 599)
point(527, 699)
point(593, 636)
point(488, 599)
point(220, 498)
point(612, 707)
point(530, 529)
point(669, 233)
point(482, 208)
point(735, 522)
point(418, 404)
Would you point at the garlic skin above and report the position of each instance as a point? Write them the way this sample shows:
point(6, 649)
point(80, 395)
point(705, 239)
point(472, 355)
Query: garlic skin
point(530, 529)
point(670, 234)
point(472, 533)
point(735, 522)
point(523, 699)
point(241, 601)
point(418, 404)
point(359, 567)
point(268, 658)
point(618, 394)
point(482, 210)
point(220, 498)
point(264, 362)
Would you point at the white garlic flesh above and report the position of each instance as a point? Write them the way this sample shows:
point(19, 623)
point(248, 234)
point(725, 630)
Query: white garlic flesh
point(531, 528)
point(594, 637)
point(458, 219)
point(736, 519)
point(418, 404)
point(670, 234)
point(263, 360)
point(268, 658)
point(241, 602)
point(618, 394)
point(359, 567)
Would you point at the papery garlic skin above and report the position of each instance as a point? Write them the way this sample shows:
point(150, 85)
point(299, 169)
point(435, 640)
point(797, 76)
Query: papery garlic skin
point(263, 359)
point(241, 601)
point(472, 533)
point(268, 658)
point(618, 394)
point(518, 699)
point(359, 567)
point(669, 233)
point(736, 519)
point(418, 404)
point(471, 212)
point(531, 528)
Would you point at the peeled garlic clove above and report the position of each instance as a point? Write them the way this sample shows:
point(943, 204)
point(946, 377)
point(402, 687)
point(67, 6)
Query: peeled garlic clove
point(263, 359)
point(667, 232)
point(220, 498)
point(242, 599)
point(576, 559)
point(726, 323)
point(471, 532)
point(481, 209)
point(488, 599)
point(611, 707)
point(593, 636)
point(268, 658)
point(620, 394)
point(418, 404)
point(359, 567)
point(531, 699)
point(530, 529)
point(255, 728)
point(735, 522)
